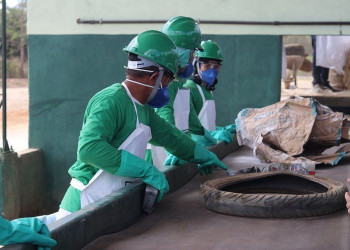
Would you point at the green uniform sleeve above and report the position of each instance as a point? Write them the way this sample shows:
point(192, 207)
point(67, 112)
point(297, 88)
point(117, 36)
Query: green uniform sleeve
point(195, 125)
point(195, 96)
point(172, 139)
point(100, 125)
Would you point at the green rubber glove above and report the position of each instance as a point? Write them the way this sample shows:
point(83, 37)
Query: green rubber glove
point(135, 167)
point(222, 135)
point(206, 160)
point(206, 140)
point(26, 230)
point(173, 160)
point(231, 128)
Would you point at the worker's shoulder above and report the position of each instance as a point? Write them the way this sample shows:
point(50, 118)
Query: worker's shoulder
point(190, 85)
point(114, 93)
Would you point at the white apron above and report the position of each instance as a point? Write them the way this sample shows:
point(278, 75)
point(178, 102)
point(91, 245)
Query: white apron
point(182, 109)
point(104, 183)
point(207, 115)
point(181, 116)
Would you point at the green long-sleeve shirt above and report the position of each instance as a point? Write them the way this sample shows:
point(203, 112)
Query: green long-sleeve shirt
point(196, 98)
point(108, 120)
point(167, 112)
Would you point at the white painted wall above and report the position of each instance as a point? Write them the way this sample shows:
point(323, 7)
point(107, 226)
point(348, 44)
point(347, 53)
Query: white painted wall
point(59, 16)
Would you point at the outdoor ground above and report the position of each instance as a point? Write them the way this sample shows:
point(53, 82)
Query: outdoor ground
point(304, 88)
point(17, 114)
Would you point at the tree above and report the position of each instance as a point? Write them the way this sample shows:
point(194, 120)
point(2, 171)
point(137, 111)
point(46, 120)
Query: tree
point(16, 32)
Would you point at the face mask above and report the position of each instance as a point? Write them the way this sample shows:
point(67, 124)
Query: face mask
point(159, 96)
point(209, 76)
point(186, 72)
point(160, 99)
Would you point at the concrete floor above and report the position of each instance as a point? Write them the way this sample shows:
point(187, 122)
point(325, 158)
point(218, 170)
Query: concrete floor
point(182, 222)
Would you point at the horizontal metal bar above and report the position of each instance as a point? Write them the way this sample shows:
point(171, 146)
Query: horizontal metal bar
point(274, 23)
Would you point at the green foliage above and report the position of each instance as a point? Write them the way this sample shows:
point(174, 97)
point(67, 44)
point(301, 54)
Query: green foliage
point(13, 29)
point(13, 68)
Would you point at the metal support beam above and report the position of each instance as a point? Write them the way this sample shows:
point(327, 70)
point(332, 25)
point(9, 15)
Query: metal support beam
point(227, 22)
point(3, 52)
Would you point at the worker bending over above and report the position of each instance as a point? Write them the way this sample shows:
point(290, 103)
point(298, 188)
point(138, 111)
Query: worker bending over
point(118, 123)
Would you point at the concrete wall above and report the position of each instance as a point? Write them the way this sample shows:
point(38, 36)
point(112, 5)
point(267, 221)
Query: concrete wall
point(22, 182)
point(59, 16)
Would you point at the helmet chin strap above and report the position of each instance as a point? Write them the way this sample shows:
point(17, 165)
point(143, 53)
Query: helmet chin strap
point(156, 86)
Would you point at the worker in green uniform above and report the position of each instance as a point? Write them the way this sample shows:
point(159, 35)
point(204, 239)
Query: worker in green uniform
point(207, 66)
point(120, 120)
point(25, 230)
point(186, 34)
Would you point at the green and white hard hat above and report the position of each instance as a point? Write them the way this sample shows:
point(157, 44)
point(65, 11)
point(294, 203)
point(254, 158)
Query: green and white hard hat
point(157, 47)
point(212, 50)
point(184, 31)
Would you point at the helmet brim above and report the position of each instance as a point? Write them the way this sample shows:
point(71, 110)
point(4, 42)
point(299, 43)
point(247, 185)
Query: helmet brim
point(200, 48)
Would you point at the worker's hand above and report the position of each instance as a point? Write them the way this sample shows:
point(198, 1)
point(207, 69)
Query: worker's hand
point(26, 230)
point(206, 160)
point(230, 128)
point(173, 160)
point(222, 135)
point(206, 140)
point(157, 180)
point(135, 167)
point(347, 198)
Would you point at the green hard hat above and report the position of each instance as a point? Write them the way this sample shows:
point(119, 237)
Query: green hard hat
point(157, 47)
point(212, 50)
point(184, 31)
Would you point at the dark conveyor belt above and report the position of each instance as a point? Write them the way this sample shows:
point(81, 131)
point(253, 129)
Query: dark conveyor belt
point(182, 222)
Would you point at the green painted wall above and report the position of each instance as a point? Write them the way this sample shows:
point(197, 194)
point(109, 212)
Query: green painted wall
point(66, 70)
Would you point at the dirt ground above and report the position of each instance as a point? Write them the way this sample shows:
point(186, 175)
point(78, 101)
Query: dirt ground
point(17, 114)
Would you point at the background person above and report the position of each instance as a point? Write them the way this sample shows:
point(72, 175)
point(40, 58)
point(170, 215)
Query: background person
point(207, 65)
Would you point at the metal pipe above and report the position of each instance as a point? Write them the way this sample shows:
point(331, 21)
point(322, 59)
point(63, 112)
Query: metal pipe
point(274, 23)
point(3, 52)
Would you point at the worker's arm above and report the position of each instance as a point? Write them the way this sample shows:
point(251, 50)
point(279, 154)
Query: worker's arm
point(172, 139)
point(195, 125)
point(179, 144)
point(100, 127)
point(25, 230)
point(195, 96)
point(101, 123)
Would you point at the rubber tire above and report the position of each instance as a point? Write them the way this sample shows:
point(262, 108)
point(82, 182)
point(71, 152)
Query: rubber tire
point(272, 205)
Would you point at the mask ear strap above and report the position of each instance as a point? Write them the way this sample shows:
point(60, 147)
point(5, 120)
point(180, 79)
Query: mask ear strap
point(156, 86)
point(198, 69)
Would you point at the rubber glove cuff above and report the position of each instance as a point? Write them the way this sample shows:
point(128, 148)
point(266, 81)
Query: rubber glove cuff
point(173, 160)
point(25, 230)
point(205, 140)
point(135, 167)
point(222, 135)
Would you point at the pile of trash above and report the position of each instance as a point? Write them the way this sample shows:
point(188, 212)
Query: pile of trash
point(295, 132)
